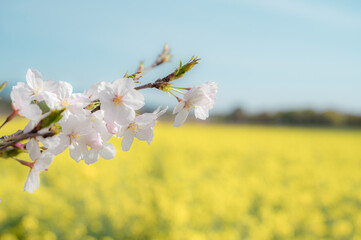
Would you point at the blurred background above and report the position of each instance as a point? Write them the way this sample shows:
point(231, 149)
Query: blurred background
point(279, 157)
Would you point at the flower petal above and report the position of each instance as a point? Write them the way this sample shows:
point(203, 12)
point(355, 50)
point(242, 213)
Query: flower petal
point(31, 111)
point(145, 135)
point(91, 157)
point(108, 152)
point(78, 151)
point(122, 85)
point(127, 141)
point(181, 117)
point(44, 161)
point(201, 112)
point(59, 145)
point(134, 99)
point(64, 90)
point(33, 148)
point(32, 182)
point(179, 107)
point(34, 79)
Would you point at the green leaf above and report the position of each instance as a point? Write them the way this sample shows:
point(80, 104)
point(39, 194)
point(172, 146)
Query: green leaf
point(11, 152)
point(179, 72)
point(3, 85)
point(53, 117)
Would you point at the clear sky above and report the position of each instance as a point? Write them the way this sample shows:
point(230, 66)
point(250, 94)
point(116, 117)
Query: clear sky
point(265, 55)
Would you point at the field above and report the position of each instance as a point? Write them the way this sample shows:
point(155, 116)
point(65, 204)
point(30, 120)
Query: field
point(196, 182)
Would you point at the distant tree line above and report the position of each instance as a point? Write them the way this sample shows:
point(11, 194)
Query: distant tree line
point(238, 116)
point(302, 118)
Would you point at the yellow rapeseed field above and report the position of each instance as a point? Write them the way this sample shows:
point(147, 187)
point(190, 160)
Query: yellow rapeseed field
point(196, 182)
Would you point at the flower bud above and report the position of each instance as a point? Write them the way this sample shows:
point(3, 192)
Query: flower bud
point(182, 69)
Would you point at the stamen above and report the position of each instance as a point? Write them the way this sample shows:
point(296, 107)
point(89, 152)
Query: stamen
point(118, 100)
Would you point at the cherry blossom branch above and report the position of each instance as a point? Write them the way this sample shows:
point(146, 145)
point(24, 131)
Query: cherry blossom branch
point(53, 117)
point(161, 83)
point(87, 131)
point(162, 58)
point(26, 136)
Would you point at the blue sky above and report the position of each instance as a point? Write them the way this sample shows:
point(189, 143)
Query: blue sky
point(265, 55)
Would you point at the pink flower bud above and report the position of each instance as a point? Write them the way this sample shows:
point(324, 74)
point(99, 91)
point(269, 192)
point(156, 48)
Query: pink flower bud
point(112, 127)
point(19, 145)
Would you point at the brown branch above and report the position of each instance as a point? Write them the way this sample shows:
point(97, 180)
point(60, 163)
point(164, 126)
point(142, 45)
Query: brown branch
point(25, 136)
point(162, 58)
point(148, 85)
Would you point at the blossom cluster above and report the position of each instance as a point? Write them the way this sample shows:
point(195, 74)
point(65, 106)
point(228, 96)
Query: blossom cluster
point(90, 119)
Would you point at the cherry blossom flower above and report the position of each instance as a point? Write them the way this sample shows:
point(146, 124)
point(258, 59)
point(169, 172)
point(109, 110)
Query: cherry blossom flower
point(100, 145)
point(76, 133)
point(93, 92)
point(119, 100)
point(21, 102)
point(40, 90)
point(66, 98)
point(41, 162)
point(140, 127)
point(85, 122)
point(202, 99)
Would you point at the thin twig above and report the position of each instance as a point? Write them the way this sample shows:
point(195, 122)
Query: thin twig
point(26, 136)
point(162, 58)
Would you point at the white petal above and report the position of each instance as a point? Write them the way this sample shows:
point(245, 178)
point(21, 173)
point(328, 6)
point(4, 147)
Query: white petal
point(145, 135)
point(79, 99)
point(112, 127)
point(191, 93)
point(179, 107)
point(31, 112)
point(64, 90)
point(50, 99)
point(32, 182)
point(34, 79)
point(92, 156)
point(30, 126)
point(93, 92)
point(78, 151)
point(117, 113)
point(94, 140)
point(160, 113)
point(122, 85)
point(108, 152)
point(33, 148)
point(181, 117)
point(127, 141)
point(49, 142)
point(201, 112)
point(121, 131)
point(146, 119)
point(44, 161)
point(60, 144)
point(134, 99)
point(106, 96)
point(50, 86)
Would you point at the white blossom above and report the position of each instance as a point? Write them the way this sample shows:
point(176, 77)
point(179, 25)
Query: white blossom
point(103, 148)
point(140, 127)
point(41, 162)
point(40, 90)
point(119, 100)
point(21, 102)
point(77, 133)
point(65, 98)
point(93, 92)
point(86, 130)
point(202, 99)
